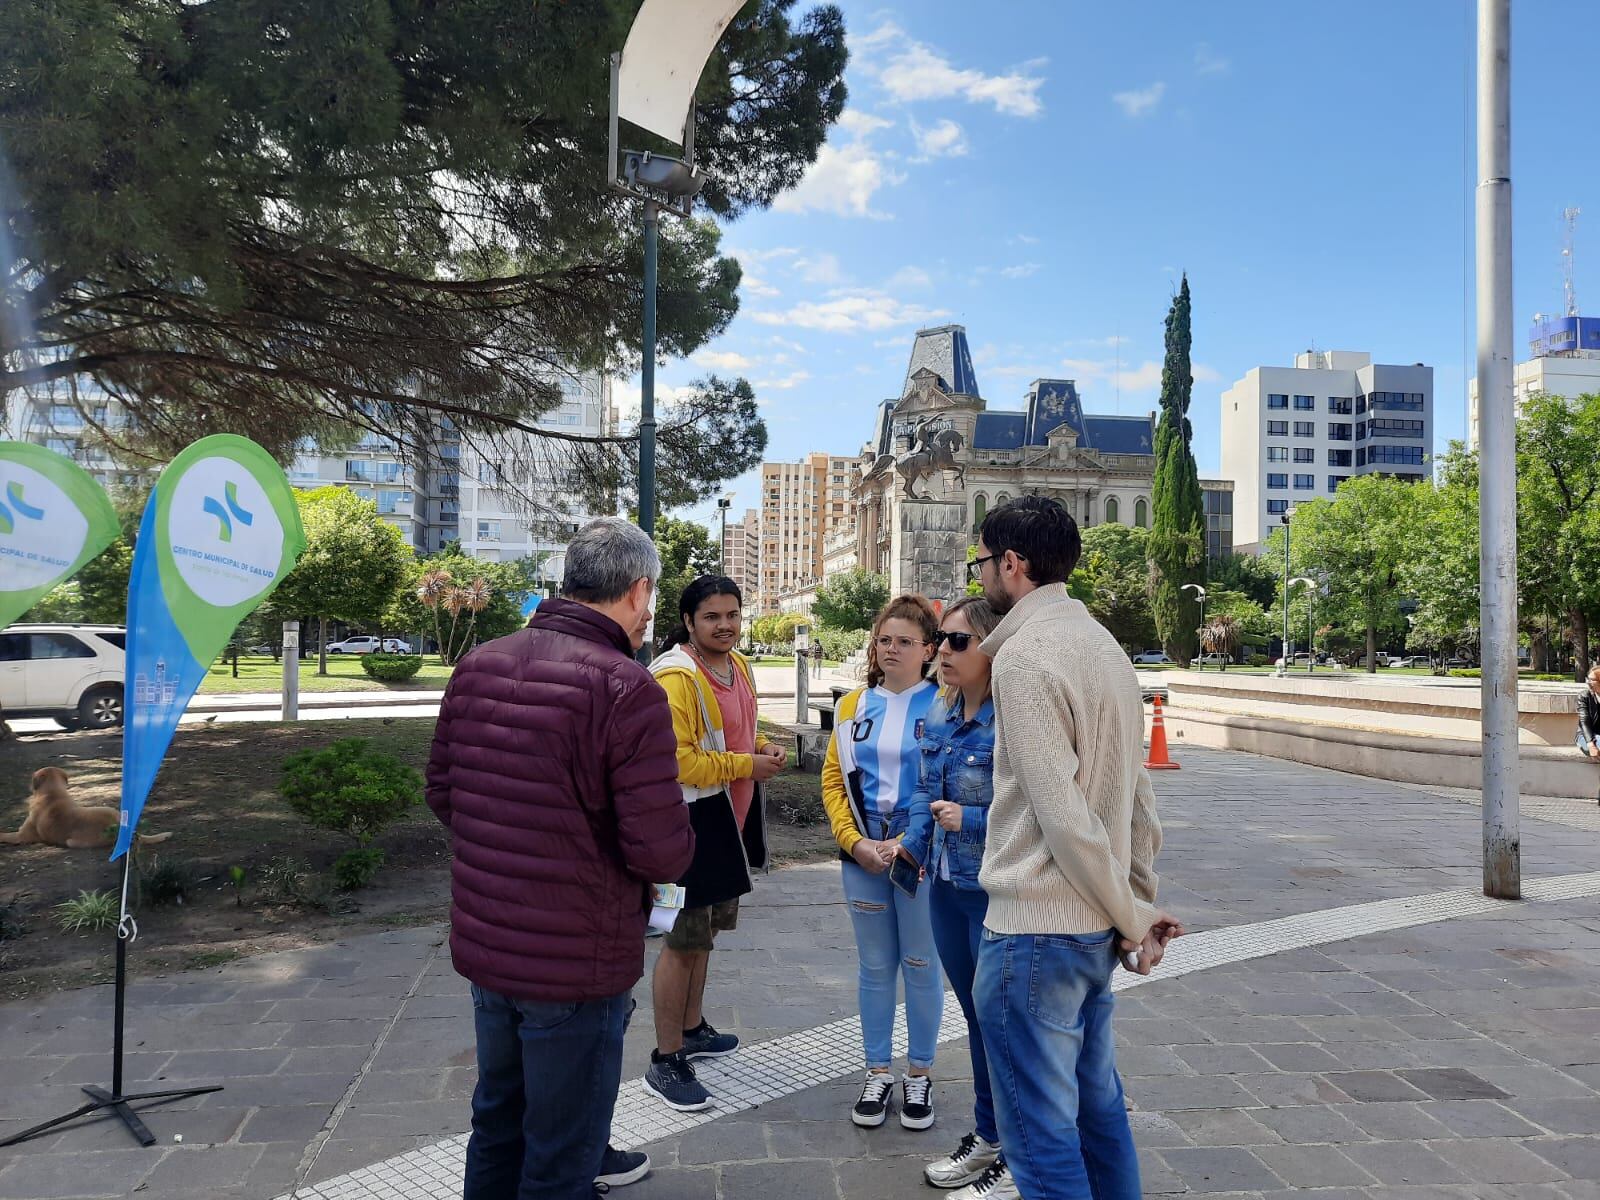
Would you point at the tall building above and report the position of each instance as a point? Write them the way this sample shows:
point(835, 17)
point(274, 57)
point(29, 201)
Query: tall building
point(1564, 360)
point(1291, 434)
point(801, 505)
point(741, 554)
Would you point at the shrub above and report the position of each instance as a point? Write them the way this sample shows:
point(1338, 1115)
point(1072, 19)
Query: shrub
point(91, 911)
point(350, 788)
point(1260, 660)
point(357, 868)
point(165, 883)
point(1466, 673)
point(804, 809)
point(391, 668)
point(840, 644)
point(289, 880)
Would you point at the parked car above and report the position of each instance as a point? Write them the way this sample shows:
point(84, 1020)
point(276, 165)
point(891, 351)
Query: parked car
point(1458, 664)
point(1383, 660)
point(1215, 659)
point(70, 673)
point(367, 644)
point(1412, 662)
point(262, 648)
point(1152, 658)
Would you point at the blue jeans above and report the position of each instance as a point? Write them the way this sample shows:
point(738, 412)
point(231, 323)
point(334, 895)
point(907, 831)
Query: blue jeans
point(547, 1085)
point(1045, 1007)
point(958, 932)
point(894, 936)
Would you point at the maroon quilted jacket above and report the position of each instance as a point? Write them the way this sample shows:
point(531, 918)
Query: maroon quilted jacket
point(555, 767)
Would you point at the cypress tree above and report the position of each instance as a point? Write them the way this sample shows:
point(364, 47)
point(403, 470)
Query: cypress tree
point(1177, 535)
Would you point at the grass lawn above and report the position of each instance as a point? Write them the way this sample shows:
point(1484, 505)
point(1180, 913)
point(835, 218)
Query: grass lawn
point(259, 673)
point(217, 794)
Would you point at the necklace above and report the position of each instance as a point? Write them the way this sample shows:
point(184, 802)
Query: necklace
point(724, 680)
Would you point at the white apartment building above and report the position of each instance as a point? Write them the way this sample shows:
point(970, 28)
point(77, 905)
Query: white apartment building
point(741, 554)
point(1292, 434)
point(802, 504)
point(1564, 361)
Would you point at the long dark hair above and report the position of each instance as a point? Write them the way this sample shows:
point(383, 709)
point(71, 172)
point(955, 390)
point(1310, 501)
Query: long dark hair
point(696, 594)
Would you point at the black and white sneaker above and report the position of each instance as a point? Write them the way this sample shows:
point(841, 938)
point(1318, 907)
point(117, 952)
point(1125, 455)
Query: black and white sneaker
point(672, 1080)
point(873, 1107)
point(619, 1168)
point(706, 1042)
point(995, 1184)
point(916, 1110)
point(972, 1158)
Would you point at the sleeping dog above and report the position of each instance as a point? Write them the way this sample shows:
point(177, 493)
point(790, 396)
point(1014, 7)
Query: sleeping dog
point(55, 819)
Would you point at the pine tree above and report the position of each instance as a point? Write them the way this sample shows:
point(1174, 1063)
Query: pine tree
point(1178, 530)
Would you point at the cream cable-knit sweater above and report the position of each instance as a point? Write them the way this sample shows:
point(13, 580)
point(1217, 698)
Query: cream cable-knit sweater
point(1073, 833)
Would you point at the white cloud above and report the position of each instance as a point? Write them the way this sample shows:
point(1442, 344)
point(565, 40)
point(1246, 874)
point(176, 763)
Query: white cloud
point(862, 311)
point(784, 383)
point(1021, 270)
point(910, 70)
point(909, 279)
point(752, 263)
point(724, 360)
point(1208, 62)
point(822, 268)
point(1129, 377)
point(786, 344)
point(1024, 239)
point(854, 121)
point(842, 181)
point(945, 139)
point(1141, 102)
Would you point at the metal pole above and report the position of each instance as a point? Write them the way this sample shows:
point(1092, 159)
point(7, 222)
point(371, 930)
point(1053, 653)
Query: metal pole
point(1497, 513)
point(291, 670)
point(1286, 659)
point(647, 380)
point(1311, 635)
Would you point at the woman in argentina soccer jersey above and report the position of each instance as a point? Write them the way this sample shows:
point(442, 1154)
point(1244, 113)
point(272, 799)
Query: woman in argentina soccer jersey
point(867, 783)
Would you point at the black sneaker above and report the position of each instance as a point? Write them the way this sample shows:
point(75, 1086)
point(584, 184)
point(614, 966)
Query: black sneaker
point(916, 1110)
point(672, 1080)
point(873, 1107)
point(619, 1168)
point(706, 1042)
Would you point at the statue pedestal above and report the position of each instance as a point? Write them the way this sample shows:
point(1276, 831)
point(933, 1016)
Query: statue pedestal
point(928, 549)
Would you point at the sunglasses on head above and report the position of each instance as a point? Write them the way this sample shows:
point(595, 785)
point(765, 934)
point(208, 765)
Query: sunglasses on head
point(958, 641)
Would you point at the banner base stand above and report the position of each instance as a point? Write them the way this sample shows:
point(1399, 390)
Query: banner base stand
point(114, 1099)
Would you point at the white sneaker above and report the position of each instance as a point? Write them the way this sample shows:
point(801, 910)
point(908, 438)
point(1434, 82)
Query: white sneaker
point(972, 1158)
point(916, 1106)
point(995, 1184)
point(873, 1107)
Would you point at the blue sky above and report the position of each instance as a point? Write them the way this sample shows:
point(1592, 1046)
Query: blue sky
point(1041, 171)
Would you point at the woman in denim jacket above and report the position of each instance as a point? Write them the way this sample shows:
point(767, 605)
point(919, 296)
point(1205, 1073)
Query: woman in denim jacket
point(949, 816)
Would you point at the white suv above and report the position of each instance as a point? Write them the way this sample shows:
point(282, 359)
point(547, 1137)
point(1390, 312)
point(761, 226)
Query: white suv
point(71, 673)
point(367, 644)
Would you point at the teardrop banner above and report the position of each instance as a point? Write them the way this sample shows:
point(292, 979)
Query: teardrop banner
point(54, 518)
point(220, 530)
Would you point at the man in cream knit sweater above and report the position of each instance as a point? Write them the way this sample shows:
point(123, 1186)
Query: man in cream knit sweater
point(1068, 865)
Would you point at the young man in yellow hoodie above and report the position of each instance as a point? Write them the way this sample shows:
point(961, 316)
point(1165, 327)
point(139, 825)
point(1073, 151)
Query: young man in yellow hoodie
point(722, 756)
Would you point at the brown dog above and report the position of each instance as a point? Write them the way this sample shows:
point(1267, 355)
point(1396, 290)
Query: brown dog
point(55, 819)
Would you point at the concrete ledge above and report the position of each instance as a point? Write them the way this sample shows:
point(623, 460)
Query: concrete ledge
point(1400, 757)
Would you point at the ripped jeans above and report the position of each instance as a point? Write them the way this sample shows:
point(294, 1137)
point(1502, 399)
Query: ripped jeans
point(894, 936)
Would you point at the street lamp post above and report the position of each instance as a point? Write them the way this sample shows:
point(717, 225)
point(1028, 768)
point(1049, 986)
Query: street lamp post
point(1284, 669)
point(724, 503)
point(1311, 647)
point(1200, 595)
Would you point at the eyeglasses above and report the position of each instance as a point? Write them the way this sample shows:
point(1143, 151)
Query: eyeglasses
point(958, 641)
point(897, 643)
point(975, 567)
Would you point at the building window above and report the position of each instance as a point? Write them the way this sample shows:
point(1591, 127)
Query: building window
point(1305, 483)
point(1361, 457)
point(1338, 458)
point(1141, 513)
point(1275, 480)
point(1305, 429)
point(1403, 455)
point(488, 531)
point(1335, 480)
point(1304, 454)
point(1361, 405)
point(1388, 427)
point(1277, 429)
point(1002, 499)
point(1305, 403)
point(1341, 405)
point(1277, 506)
point(1397, 401)
point(1274, 400)
point(1277, 454)
point(1340, 431)
point(1112, 510)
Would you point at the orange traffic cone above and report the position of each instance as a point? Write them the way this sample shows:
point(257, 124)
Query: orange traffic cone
point(1158, 744)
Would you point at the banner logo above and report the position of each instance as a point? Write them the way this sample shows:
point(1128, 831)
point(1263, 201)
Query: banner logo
point(226, 516)
point(22, 507)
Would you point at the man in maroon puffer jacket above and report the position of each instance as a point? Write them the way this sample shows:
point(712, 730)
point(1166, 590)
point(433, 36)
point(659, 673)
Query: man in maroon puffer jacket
point(555, 768)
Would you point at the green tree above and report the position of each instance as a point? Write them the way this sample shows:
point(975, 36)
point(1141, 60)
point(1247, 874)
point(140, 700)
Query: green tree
point(1113, 580)
point(851, 599)
point(353, 565)
point(1254, 576)
point(1439, 560)
point(498, 589)
point(1178, 531)
point(1558, 512)
point(285, 221)
point(687, 552)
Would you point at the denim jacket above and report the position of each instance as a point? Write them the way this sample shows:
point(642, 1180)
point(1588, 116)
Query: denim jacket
point(957, 763)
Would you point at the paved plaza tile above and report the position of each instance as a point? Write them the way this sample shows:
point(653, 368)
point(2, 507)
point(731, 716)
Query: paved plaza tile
point(1348, 1019)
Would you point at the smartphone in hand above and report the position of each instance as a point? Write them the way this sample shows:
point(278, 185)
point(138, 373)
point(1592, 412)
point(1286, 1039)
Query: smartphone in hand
point(905, 875)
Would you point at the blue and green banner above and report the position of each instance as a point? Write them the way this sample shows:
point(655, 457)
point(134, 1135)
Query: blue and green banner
point(54, 518)
point(220, 530)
